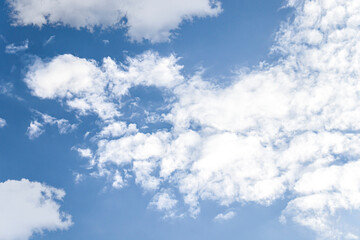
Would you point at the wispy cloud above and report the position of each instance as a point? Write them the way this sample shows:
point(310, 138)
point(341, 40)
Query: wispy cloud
point(12, 48)
point(224, 217)
point(2, 122)
point(36, 127)
point(34, 130)
point(49, 40)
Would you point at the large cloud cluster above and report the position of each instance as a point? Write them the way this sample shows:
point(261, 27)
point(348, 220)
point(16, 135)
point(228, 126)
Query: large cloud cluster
point(288, 128)
point(152, 20)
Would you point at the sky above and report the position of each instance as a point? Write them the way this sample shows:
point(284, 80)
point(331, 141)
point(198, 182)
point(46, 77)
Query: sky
point(169, 119)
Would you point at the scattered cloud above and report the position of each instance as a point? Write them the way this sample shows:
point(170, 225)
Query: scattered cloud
point(63, 125)
point(79, 178)
point(165, 202)
point(35, 130)
point(152, 20)
point(117, 129)
point(90, 88)
point(85, 152)
point(2, 37)
point(351, 236)
point(224, 217)
point(6, 88)
point(12, 48)
point(2, 122)
point(29, 208)
point(36, 127)
point(280, 128)
point(118, 181)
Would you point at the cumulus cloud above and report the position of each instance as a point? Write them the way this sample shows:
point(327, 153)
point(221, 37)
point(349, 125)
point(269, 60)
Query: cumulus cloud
point(85, 152)
point(164, 201)
point(286, 127)
point(2, 122)
point(323, 193)
point(87, 87)
point(224, 217)
point(12, 48)
point(63, 125)
point(117, 129)
point(34, 130)
point(153, 20)
point(28, 208)
point(36, 127)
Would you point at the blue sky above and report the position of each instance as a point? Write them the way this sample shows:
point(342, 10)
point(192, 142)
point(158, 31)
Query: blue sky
point(179, 120)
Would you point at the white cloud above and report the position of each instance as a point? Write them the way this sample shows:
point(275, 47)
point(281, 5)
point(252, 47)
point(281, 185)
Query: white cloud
point(87, 87)
point(85, 152)
point(78, 177)
point(117, 129)
point(153, 20)
point(165, 202)
point(12, 48)
point(351, 236)
point(118, 181)
point(2, 122)
point(34, 130)
point(322, 194)
point(36, 127)
point(224, 217)
point(281, 128)
point(28, 208)
point(63, 125)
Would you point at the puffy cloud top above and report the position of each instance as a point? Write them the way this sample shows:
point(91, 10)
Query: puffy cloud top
point(30, 207)
point(145, 19)
point(281, 128)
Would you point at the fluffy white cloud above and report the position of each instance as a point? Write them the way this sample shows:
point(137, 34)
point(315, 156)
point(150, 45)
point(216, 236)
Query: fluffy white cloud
point(34, 130)
point(28, 208)
point(12, 48)
point(287, 127)
point(164, 201)
point(117, 129)
point(2, 122)
point(144, 19)
point(63, 125)
point(322, 194)
point(85, 152)
point(87, 87)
